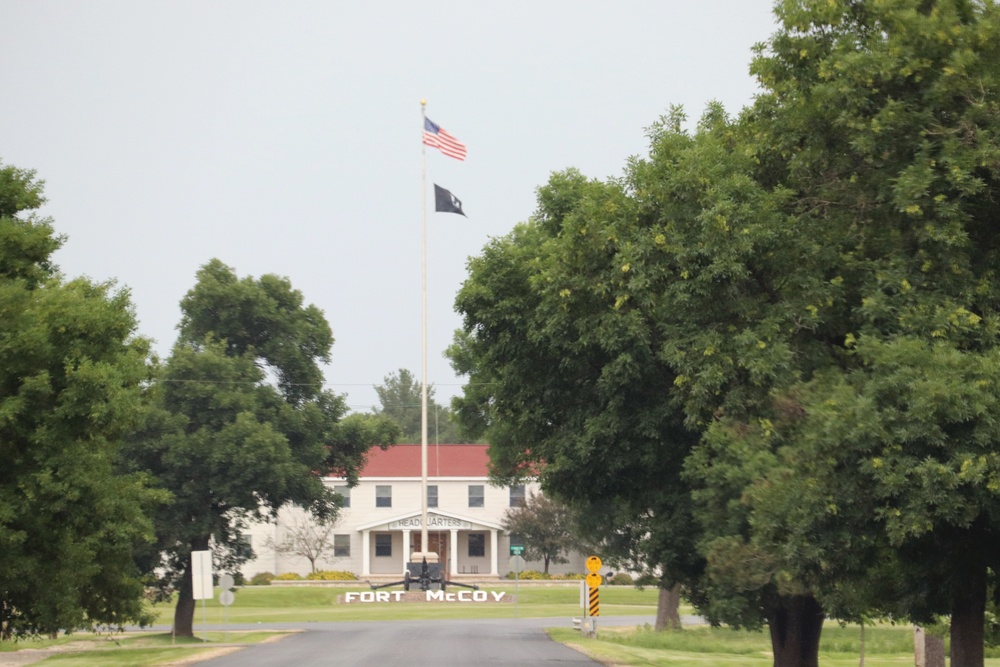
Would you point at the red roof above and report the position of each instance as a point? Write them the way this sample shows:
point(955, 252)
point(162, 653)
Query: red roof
point(442, 461)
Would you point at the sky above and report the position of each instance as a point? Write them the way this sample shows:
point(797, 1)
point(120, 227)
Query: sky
point(285, 138)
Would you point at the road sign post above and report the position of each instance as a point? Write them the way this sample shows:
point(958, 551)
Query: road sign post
point(201, 578)
point(593, 581)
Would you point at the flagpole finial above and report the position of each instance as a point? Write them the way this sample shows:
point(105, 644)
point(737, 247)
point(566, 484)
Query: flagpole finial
point(423, 102)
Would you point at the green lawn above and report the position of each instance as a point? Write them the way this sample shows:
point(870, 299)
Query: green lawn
point(885, 646)
point(264, 604)
point(702, 646)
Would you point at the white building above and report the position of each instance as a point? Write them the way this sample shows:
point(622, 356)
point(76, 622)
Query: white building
point(380, 524)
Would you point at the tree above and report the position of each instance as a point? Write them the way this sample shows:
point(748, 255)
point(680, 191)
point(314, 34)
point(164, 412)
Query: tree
point(565, 379)
point(809, 292)
point(546, 526)
point(882, 119)
point(71, 383)
point(244, 425)
point(401, 400)
point(307, 538)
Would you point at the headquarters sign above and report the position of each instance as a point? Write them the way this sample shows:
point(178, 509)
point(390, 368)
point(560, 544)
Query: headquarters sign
point(433, 521)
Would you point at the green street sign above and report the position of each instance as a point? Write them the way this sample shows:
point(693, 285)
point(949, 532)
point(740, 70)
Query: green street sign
point(516, 549)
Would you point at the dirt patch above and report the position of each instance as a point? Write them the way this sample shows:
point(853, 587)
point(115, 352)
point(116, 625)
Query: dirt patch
point(29, 656)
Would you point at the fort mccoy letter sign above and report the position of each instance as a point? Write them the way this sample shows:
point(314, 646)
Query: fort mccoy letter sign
point(424, 596)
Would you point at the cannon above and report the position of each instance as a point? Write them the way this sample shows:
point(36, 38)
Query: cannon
point(423, 574)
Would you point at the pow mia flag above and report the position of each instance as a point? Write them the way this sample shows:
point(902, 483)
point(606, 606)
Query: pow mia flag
point(445, 202)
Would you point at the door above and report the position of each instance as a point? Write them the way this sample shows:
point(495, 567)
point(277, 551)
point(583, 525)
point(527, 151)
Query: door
point(438, 544)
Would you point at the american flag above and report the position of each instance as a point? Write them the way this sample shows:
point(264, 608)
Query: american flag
point(440, 139)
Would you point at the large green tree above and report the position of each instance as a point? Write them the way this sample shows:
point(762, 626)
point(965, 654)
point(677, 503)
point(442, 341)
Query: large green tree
point(883, 119)
point(71, 378)
point(816, 285)
point(565, 379)
point(244, 426)
point(401, 400)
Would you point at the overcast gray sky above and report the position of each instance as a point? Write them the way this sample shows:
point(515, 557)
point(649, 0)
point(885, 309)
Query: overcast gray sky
point(284, 137)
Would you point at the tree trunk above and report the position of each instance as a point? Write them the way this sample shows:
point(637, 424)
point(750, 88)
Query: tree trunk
point(795, 627)
point(184, 611)
point(967, 619)
point(668, 608)
point(861, 658)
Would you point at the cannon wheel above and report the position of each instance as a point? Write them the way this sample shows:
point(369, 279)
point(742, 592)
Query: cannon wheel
point(406, 580)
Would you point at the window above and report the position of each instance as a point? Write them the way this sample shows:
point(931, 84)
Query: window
point(432, 495)
point(345, 493)
point(476, 495)
point(517, 495)
point(383, 544)
point(477, 544)
point(383, 496)
point(342, 546)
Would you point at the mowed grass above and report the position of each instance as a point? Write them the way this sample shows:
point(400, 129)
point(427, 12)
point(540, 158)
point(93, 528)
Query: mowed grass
point(280, 604)
point(703, 646)
point(698, 646)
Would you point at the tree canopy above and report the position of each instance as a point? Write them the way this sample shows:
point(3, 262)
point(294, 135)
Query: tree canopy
point(401, 400)
point(244, 425)
point(71, 384)
point(547, 527)
point(787, 321)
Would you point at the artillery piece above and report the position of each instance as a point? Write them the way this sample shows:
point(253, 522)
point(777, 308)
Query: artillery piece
point(424, 575)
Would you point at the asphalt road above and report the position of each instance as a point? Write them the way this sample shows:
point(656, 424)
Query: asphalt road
point(438, 643)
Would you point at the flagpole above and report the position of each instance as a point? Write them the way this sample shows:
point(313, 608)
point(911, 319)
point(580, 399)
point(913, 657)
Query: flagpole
point(424, 545)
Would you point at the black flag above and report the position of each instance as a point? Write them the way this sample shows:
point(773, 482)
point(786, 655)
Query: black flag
point(445, 202)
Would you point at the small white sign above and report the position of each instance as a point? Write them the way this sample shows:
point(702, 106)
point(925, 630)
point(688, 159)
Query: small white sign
point(201, 575)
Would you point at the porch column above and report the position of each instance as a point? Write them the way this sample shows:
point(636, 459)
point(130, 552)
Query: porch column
point(407, 550)
point(366, 558)
point(453, 551)
point(494, 549)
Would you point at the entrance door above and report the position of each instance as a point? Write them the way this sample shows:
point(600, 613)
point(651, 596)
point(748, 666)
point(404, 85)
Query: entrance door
point(438, 544)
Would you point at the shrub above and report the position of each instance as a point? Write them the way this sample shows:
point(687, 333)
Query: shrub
point(262, 579)
point(529, 574)
point(287, 576)
point(620, 579)
point(332, 575)
point(646, 580)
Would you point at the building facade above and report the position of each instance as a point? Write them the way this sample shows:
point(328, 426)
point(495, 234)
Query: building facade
point(380, 525)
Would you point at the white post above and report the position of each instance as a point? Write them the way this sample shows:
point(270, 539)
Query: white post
point(406, 546)
point(424, 544)
point(366, 548)
point(494, 555)
point(453, 550)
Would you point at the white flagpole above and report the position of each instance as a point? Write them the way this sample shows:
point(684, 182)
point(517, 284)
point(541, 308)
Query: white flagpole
point(424, 545)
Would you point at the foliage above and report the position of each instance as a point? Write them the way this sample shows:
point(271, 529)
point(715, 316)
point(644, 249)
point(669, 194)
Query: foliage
point(305, 537)
point(798, 308)
point(535, 575)
point(332, 575)
point(620, 579)
point(243, 425)
point(287, 576)
point(401, 396)
point(546, 526)
point(261, 579)
point(71, 383)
